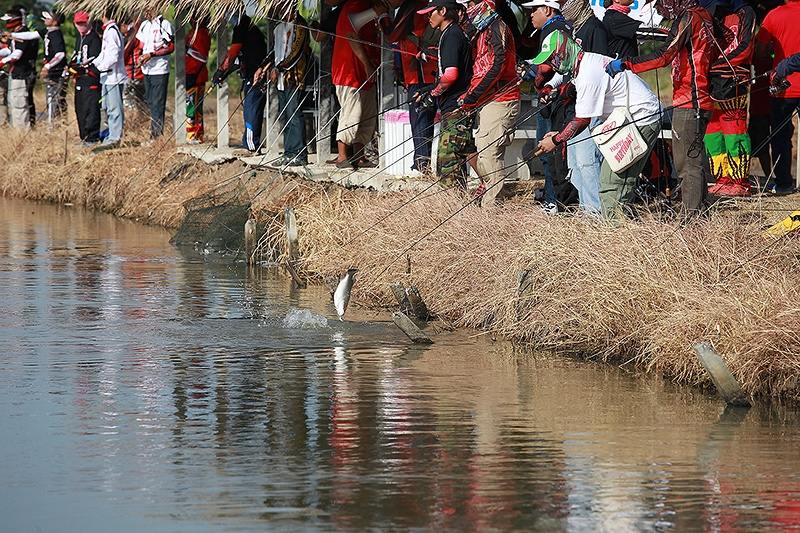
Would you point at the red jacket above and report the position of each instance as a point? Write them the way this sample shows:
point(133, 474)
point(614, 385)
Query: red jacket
point(740, 26)
point(691, 48)
point(413, 34)
point(494, 72)
point(198, 45)
point(781, 32)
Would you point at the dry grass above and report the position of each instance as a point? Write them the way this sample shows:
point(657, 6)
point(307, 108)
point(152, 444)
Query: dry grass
point(641, 293)
point(638, 294)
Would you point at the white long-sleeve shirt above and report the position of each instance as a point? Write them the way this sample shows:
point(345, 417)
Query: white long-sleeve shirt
point(111, 61)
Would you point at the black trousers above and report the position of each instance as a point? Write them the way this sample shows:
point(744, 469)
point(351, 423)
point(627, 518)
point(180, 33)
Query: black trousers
point(30, 85)
point(87, 111)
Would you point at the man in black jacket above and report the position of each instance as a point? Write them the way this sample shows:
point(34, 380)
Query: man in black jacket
point(87, 79)
point(21, 63)
point(55, 59)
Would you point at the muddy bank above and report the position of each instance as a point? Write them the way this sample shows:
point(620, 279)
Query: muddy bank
point(639, 295)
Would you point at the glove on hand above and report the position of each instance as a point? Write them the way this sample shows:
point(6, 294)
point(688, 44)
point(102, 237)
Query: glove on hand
point(615, 67)
point(218, 78)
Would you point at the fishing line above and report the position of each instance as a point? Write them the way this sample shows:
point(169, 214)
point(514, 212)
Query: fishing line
point(305, 148)
point(429, 187)
point(464, 118)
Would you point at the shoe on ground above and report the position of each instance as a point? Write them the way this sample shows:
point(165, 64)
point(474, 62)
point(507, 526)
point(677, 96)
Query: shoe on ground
point(366, 163)
point(775, 190)
point(294, 161)
point(194, 142)
point(346, 164)
point(731, 188)
point(549, 208)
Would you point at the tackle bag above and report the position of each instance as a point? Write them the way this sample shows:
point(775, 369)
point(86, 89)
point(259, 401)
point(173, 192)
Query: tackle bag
point(618, 138)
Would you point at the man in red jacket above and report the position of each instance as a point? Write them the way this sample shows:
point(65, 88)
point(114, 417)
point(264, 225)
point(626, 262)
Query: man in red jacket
point(727, 141)
point(494, 88)
point(356, 58)
point(691, 48)
point(417, 42)
point(780, 34)
point(198, 45)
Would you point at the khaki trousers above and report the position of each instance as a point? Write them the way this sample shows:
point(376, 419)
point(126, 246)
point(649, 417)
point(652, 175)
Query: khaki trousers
point(357, 120)
point(497, 122)
point(18, 104)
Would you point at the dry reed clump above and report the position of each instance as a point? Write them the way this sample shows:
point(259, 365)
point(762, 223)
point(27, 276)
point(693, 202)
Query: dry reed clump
point(641, 293)
point(127, 181)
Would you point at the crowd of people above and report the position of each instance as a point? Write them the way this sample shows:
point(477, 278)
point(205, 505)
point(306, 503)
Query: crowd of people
point(735, 88)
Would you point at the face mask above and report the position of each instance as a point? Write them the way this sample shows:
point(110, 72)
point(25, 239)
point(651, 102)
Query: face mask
point(481, 15)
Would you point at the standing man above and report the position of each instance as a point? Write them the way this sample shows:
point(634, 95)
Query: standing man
point(87, 80)
point(21, 63)
point(417, 43)
point(691, 49)
point(494, 88)
point(292, 57)
point(780, 36)
point(198, 46)
point(727, 141)
point(250, 47)
point(55, 59)
point(356, 58)
point(134, 98)
point(111, 64)
point(597, 96)
point(546, 17)
point(456, 142)
point(157, 40)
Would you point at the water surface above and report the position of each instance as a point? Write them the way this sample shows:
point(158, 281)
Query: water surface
point(144, 388)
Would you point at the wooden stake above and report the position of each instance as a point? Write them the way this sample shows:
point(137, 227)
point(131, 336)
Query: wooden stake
point(250, 240)
point(293, 246)
point(411, 330)
point(417, 304)
point(66, 146)
point(296, 279)
point(399, 291)
point(723, 379)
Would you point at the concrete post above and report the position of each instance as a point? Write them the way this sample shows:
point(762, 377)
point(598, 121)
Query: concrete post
point(325, 95)
point(179, 115)
point(223, 129)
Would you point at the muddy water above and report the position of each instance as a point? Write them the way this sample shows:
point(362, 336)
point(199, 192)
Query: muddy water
point(143, 388)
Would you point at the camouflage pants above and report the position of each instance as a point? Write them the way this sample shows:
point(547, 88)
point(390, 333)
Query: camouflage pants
point(456, 143)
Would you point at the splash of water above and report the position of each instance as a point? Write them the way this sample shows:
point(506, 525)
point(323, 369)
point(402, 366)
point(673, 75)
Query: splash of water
point(304, 319)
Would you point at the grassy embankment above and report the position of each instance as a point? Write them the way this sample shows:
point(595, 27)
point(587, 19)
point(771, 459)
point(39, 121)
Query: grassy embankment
point(638, 295)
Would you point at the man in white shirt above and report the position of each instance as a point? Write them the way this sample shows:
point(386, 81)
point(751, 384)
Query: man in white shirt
point(111, 64)
point(597, 97)
point(157, 40)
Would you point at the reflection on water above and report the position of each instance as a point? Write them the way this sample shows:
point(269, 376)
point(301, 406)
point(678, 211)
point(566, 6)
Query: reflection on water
point(143, 388)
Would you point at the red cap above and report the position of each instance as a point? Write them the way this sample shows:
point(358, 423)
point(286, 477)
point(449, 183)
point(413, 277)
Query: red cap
point(81, 17)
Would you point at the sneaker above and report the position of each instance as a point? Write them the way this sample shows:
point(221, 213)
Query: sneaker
point(550, 208)
point(294, 162)
point(775, 190)
point(731, 188)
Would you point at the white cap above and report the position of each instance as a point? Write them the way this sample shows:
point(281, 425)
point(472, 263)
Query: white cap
point(543, 3)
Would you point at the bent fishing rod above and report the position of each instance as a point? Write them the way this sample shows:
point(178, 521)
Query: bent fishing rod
point(468, 116)
point(419, 194)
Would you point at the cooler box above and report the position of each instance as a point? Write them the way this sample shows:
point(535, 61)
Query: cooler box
point(398, 146)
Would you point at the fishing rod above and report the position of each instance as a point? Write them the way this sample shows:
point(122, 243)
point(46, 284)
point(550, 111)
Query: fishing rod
point(466, 117)
point(439, 225)
point(346, 38)
point(434, 183)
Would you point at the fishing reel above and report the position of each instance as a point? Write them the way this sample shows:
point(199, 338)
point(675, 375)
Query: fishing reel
point(778, 85)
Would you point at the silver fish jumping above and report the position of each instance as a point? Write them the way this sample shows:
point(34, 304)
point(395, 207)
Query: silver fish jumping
point(342, 295)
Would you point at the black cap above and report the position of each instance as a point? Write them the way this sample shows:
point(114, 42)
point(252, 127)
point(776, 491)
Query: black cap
point(436, 4)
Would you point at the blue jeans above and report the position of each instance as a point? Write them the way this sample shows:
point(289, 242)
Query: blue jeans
point(112, 103)
point(583, 160)
point(155, 91)
point(421, 129)
point(254, 103)
point(290, 101)
point(543, 126)
point(781, 143)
